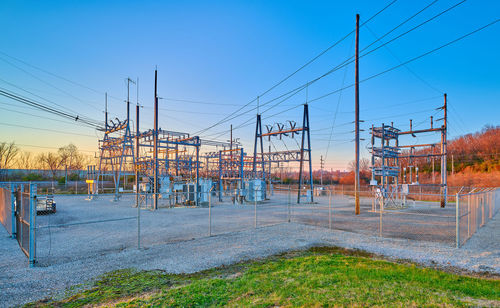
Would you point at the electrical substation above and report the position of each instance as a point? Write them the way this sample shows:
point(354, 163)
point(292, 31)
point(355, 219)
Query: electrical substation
point(179, 169)
point(148, 187)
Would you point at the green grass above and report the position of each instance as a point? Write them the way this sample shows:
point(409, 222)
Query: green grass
point(317, 277)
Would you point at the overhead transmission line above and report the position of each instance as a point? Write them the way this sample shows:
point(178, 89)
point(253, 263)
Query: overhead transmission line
point(198, 102)
point(347, 61)
point(392, 68)
point(58, 76)
point(351, 60)
point(49, 84)
point(46, 147)
point(408, 68)
point(296, 71)
point(103, 92)
point(337, 108)
point(87, 121)
point(35, 95)
point(39, 116)
point(46, 129)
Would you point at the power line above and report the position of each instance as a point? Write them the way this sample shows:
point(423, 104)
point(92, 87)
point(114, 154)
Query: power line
point(408, 68)
point(401, 24)
point(296, 71)
point(32, 103)
point(198, 102)
point(46, 147)
point(45, 129)
point(41, 97)
point(411, 60)
point(42, 117)
point(248, 122)
point(337, 108)
point(49, 84)
point(325, 51)
point(57, 76)
point(349, 60)
point(36, 95)
point(343, 64)
point(290, 94)
point(185, 111)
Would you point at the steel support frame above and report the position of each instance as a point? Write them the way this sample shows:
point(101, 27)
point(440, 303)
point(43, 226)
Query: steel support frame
point(443, 145)
point(286, 156)
point(389, 160)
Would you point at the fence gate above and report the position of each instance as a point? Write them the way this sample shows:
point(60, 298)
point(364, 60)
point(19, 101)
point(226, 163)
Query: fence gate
point(6, 209)
point(25, 220)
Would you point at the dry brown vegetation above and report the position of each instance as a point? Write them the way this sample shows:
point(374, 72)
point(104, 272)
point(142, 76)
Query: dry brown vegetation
point(473, 160)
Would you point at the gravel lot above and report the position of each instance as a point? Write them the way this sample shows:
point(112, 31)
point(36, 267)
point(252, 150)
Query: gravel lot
point(176, 240)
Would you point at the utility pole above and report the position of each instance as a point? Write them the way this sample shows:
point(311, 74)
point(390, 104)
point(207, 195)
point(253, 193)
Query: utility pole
point(322, 165)
point(356, 178)
point(155, 148)
point(128, 123)
point(137, 152)
point(231, 150)
point(106, 111)
point(444, 153)
point(101, 153)
point(128, 98)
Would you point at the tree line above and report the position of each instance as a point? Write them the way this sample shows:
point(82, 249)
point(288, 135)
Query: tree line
point(65, 158)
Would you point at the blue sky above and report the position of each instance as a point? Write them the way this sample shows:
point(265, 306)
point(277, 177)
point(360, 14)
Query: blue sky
point(228, 52)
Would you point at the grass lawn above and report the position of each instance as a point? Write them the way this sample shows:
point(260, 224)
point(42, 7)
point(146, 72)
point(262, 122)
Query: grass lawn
point(317, 277)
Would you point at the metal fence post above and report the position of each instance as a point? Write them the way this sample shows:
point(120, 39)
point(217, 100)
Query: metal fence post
point(468, 215)
point(210, 213)
point(138, 219)
point(457, 220)
point(482, 210)
point(490, 203)
point(32, 246)
point(13, 211)
point(381, 209)
point(255, 208)
point(289, 210)
point(330, 209)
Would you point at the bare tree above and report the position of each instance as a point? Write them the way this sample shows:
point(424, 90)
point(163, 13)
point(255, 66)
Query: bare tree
point(364, 165)
point(39, 162)
point(8, 152)
point(25, 160)
point(87, 160)
point(71, 158)
point(52, 161)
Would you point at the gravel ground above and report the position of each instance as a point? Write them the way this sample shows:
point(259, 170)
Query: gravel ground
point(176, 241)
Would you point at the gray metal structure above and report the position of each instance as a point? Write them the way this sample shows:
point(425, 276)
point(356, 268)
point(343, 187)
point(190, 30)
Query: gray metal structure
point(443, 131)
point(301, 155)
point(385, 162)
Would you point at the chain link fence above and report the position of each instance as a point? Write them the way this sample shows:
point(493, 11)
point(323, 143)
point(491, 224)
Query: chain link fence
point(424, 220)
point(474, 210)
point(88, 226)
point(18, 215)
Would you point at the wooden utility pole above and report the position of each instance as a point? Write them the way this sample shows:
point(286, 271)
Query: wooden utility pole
point(137, 153)
point(231, 151)
point(444, 153)
point(106, 111)
point(356, 178)
point(322, 165)
point(155, 148)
